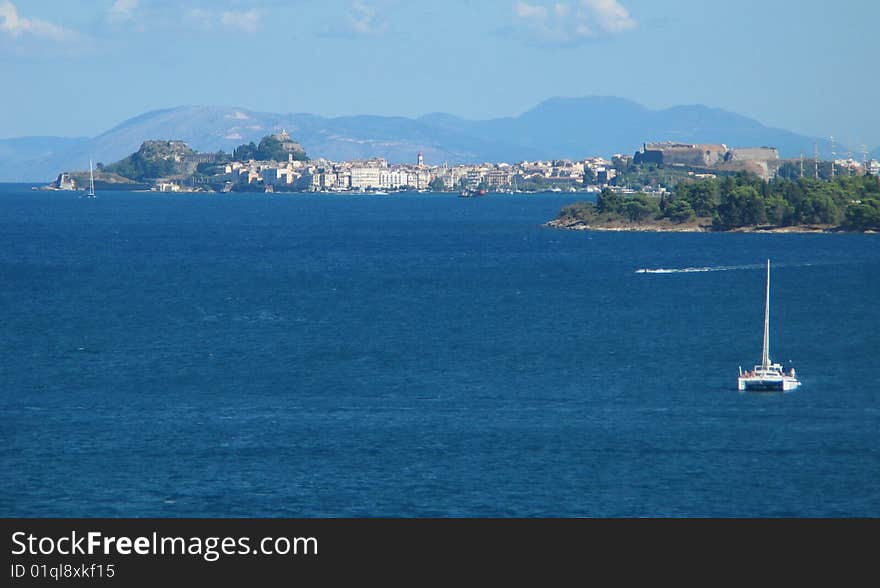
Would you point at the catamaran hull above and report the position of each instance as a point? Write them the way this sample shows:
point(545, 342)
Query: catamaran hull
point(758, 385)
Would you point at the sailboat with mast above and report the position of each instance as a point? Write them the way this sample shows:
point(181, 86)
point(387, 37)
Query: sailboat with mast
point(90, 193)
point(769, 376)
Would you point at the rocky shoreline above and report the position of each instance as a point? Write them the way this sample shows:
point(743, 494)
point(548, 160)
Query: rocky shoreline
point(666, 226)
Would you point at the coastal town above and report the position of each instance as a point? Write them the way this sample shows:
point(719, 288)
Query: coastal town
point(280, 164)
point(377, 174)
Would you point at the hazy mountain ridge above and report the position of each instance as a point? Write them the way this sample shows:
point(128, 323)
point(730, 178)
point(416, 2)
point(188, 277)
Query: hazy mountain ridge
point(556, 128)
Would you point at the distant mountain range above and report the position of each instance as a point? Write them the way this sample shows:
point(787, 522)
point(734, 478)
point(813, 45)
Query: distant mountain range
point(557, 128)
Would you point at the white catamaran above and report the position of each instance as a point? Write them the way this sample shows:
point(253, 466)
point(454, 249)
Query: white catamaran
point(767, 377)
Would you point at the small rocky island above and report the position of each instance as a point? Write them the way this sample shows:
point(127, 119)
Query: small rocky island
point(741, 202)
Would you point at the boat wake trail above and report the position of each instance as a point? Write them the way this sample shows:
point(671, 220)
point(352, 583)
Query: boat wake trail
point(717, 268)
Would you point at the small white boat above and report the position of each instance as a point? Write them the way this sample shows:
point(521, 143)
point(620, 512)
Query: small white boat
point(769, 376)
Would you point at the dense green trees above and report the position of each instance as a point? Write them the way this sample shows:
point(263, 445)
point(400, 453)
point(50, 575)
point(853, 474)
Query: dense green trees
point(864, 215)
point(609, 201)
point(270, 148)
point(209, 169)
point(611, 205)
point(640, 208)
point(744, 200)
point(778, 210)
point(438, 184)
point(245, 152)
point(740, 207)
point(589, 176)
point(703, 197)
point(630, 175)
point(680, 211)
point(139, 167)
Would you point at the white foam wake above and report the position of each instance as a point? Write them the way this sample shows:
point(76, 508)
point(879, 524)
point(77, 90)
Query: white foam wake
point(688, 270)
point(717, 268)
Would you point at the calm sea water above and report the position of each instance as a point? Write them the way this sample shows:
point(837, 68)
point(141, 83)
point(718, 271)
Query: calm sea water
point(421, 355)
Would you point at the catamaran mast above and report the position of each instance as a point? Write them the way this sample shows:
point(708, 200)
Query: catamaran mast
point(765, 356)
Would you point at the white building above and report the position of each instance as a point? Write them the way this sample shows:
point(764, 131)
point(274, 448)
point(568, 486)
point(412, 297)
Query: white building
point(328, 179)
point(365, 177)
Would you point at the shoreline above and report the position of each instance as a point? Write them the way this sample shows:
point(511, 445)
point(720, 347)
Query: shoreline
point(692, 227)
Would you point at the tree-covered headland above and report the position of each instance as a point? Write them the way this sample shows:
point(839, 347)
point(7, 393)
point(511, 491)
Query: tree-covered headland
point(743, 200)
point(154, 159)
point(161, 160)
point(270, 148)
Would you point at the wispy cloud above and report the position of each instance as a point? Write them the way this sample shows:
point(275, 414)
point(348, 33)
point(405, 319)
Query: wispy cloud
point(145, 16)
point(530, 12)
point(570, 23)
point(246, 20)
point(13, 25)
point(364, 19)
point(611, 17)
point(359, 19)
point(123, 10)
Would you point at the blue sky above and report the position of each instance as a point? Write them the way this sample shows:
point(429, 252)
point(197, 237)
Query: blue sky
point(78, 68)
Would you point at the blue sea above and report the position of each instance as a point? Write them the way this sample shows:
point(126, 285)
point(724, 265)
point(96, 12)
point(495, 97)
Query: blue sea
point(422, 355)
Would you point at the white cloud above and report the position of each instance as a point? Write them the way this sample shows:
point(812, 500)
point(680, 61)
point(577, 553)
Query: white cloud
point(529, 11)
point(363, 19)
point(123, 10)
point(610, 15)
point(569, 23)
point(15, 25)
point(248, 20)
point(561, 9)
point(244, 20)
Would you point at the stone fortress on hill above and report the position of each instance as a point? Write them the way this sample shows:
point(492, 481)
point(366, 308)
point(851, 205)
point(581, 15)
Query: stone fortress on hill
point(759, 160)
